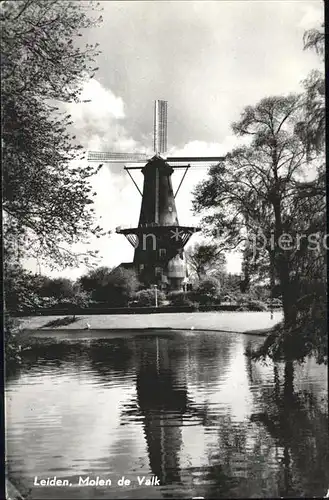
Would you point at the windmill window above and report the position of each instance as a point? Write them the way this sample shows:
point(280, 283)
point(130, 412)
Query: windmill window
point(162, 252)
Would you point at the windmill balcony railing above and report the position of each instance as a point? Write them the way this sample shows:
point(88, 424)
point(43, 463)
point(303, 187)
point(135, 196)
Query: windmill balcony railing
point(131, 226)
point(152, 224)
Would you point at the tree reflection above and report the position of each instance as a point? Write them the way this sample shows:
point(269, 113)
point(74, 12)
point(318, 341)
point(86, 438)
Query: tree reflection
point(281, 452)
point(299, 429)
point(103, 357)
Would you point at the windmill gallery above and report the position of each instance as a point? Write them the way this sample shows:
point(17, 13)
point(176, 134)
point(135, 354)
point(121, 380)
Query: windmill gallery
point(159, 239)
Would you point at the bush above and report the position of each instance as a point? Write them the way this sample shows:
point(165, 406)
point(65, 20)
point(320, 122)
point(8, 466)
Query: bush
point(180, 298)
point(243, 309)
point(256, 305)
point(146, 298)
point(111, 287)
point(208, 292)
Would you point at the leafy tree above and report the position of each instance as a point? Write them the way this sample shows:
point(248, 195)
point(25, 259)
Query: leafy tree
point(122, 285)
point(258, 188)
point(314, 39)
point(231, 284)
point(252, 190)
point(208, 290)
point(113, 287)
point(13, 349)
point(312, 127)
point(262, 188)
point(47, 197)
point(205, 258)
point(59, 288)
point(25, 290)
point(95, 278)
point(65, 293)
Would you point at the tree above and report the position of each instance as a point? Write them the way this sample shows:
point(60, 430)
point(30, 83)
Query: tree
point(204, 259)
point(113, 287)
point(314, 39)
point(251, 192)
point(208, 290)
point(261, 188)
point(231, 284)
point(312, 127)
point(59, 288)
point(122, 284)
point(256, 192)
point(25, 290)
point(47, 197)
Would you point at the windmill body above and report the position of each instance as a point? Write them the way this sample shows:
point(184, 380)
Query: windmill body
point(158, 239)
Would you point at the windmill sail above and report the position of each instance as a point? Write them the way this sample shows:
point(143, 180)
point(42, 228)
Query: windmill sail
point(160, 127)
point(117, 157)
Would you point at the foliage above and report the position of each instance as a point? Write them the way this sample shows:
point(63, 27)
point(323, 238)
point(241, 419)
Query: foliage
point(230, 283)
point(307, 338)
point(180, 298)
point(208, 291)
point(47, 197)
point(255, 191)
point(145, 298)
point(95, 279)
point(12, 346)
point(314, 39)
point(312, 127)
point(26, 291)
point(112, 287)
point(256, 305)
point(23, 289)
point(204, 259)
point(59, 288)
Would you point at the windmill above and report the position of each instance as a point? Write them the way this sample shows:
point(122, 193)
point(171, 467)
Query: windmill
point(158, 240)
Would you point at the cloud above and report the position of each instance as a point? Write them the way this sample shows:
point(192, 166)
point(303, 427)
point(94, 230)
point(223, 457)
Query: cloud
point(312, 16)
point(203, 148)
point(103, 102)
point(99, 123)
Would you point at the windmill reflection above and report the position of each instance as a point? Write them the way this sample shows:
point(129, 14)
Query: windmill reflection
point(162, 399)
point(166, 366)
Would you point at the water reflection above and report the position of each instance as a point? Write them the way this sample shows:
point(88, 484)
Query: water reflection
point(188, 408)
point(299, 429)
point(163, 400)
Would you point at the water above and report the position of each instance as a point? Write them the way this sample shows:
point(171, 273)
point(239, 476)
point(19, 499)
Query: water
point(188, 408)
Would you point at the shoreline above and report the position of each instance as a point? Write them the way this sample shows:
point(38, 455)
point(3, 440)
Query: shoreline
point(42, 332)
point(248, 323)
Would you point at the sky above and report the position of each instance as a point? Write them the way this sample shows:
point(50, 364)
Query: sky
point(208, 59)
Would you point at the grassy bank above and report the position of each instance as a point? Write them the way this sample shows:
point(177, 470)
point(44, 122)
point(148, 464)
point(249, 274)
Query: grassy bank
point(240, 322)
